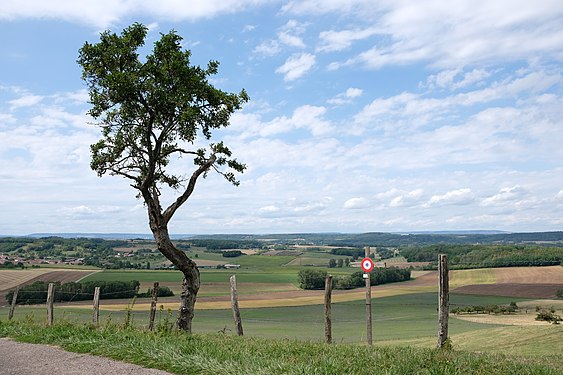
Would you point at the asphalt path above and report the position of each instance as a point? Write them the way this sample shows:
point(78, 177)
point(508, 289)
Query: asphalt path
point(32, 359)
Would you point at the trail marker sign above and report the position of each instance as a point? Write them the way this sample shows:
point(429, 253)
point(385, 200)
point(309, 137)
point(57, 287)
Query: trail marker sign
point(367, 265)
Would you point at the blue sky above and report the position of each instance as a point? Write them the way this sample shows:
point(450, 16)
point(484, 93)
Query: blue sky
point(365, 115)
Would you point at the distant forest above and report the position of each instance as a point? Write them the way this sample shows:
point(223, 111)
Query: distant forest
point(396, 240)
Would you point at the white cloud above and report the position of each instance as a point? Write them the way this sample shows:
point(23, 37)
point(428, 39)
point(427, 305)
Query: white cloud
point(104, 13)
point(409, 199)
point(455, 197)
point(268, 48)
point(331, 41)
point(505, 196)
point(288, 35)
point(25, 101)
point(356, 204)
point(296, 66)
point(454, 36)
point(346, 97)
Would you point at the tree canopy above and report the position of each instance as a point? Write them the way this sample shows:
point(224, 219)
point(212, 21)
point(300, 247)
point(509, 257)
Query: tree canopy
point(153, 109)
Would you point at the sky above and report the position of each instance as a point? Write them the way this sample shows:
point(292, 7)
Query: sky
point(364, 115)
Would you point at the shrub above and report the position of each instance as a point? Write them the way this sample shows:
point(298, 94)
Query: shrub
point(311, 279)
point(548, 316)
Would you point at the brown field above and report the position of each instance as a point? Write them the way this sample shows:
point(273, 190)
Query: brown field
point(526, 282)
point(511, 319)
point(25, 277)
point(256, 298)
point(512, 290)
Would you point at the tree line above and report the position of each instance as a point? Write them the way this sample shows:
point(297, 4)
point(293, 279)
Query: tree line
point(81, 291)
point(484, 256)
point(315, 279)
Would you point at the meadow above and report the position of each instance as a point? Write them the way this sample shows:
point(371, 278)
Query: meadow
point(274, 308)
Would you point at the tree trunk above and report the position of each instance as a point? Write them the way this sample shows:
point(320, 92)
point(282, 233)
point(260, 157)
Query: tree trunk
point(191, 283)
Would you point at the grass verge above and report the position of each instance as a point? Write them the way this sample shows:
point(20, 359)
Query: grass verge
point(224, 354)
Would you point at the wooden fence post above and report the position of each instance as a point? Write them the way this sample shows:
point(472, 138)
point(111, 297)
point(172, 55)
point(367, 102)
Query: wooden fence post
point(234, 305)
point(368, 302)
point(50, 299)
point(153, 305)
point(443, 300)
point(96, 315)
point(13, 305)
point(328, 300)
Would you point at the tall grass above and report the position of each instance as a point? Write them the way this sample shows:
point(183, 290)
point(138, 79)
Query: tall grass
point(226, 354)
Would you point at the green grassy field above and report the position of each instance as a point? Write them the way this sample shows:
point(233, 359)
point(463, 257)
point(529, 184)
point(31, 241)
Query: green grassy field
point(401, 317)
point(226, 354)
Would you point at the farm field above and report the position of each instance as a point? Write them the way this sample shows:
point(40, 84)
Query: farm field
point(272, 305)
point(9, 279)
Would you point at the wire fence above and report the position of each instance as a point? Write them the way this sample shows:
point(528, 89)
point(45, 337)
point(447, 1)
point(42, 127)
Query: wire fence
point(400, 310)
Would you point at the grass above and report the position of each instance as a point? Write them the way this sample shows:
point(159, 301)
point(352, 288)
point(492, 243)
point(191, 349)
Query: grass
point(408, 316)
point(225, 354)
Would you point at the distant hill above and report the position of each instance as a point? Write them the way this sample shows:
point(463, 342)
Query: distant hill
point(105, 236)
point(351, 239)
point(396, 239)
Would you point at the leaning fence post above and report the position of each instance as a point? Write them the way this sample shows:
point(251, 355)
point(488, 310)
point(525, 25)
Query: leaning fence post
point(443, 300)
point(328, 299)
point(153, 305)
point(13, 305)
point(96, 315)
point(50, 298)
point(234, 305)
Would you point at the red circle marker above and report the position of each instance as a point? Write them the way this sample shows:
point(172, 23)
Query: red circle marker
point(367, 264)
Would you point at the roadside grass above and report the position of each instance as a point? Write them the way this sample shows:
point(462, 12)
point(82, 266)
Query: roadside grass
point(544, 343)
point(226, 354)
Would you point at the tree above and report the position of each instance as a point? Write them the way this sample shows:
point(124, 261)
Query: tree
point(332, 263)
point(311, 279)
point(340, 263)
point(150, 112)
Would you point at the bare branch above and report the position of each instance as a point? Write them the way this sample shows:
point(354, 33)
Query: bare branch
point(189, 189)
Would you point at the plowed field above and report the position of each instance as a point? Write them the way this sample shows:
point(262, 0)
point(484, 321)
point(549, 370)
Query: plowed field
point(526, 282)
point(9, 279)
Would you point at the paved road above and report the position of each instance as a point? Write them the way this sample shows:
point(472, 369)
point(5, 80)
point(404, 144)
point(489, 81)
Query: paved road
point(33, 359)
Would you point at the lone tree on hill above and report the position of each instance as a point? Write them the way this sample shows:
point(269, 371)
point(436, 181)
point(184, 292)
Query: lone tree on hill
point(150, 112)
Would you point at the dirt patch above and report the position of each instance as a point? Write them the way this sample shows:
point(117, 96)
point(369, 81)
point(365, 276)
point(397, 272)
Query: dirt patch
point(529, 275)
point(282, 253)
point(510, 319)
point(511, 290)
point(405, 265)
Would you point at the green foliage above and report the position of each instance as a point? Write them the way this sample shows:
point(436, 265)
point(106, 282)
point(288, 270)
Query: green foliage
point(559, 293)
point(482, 256)
point(152, 109)
point(231, 253)
point(487, 309)
point(311, 279)
point(214, 245)
point(331, 263)
point(37, 292)
point(354, 253)
point(315, 279)
point(163, 291)
point(548, 316)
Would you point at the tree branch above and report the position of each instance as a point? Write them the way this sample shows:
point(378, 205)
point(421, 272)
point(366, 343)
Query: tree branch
point(189, 189)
